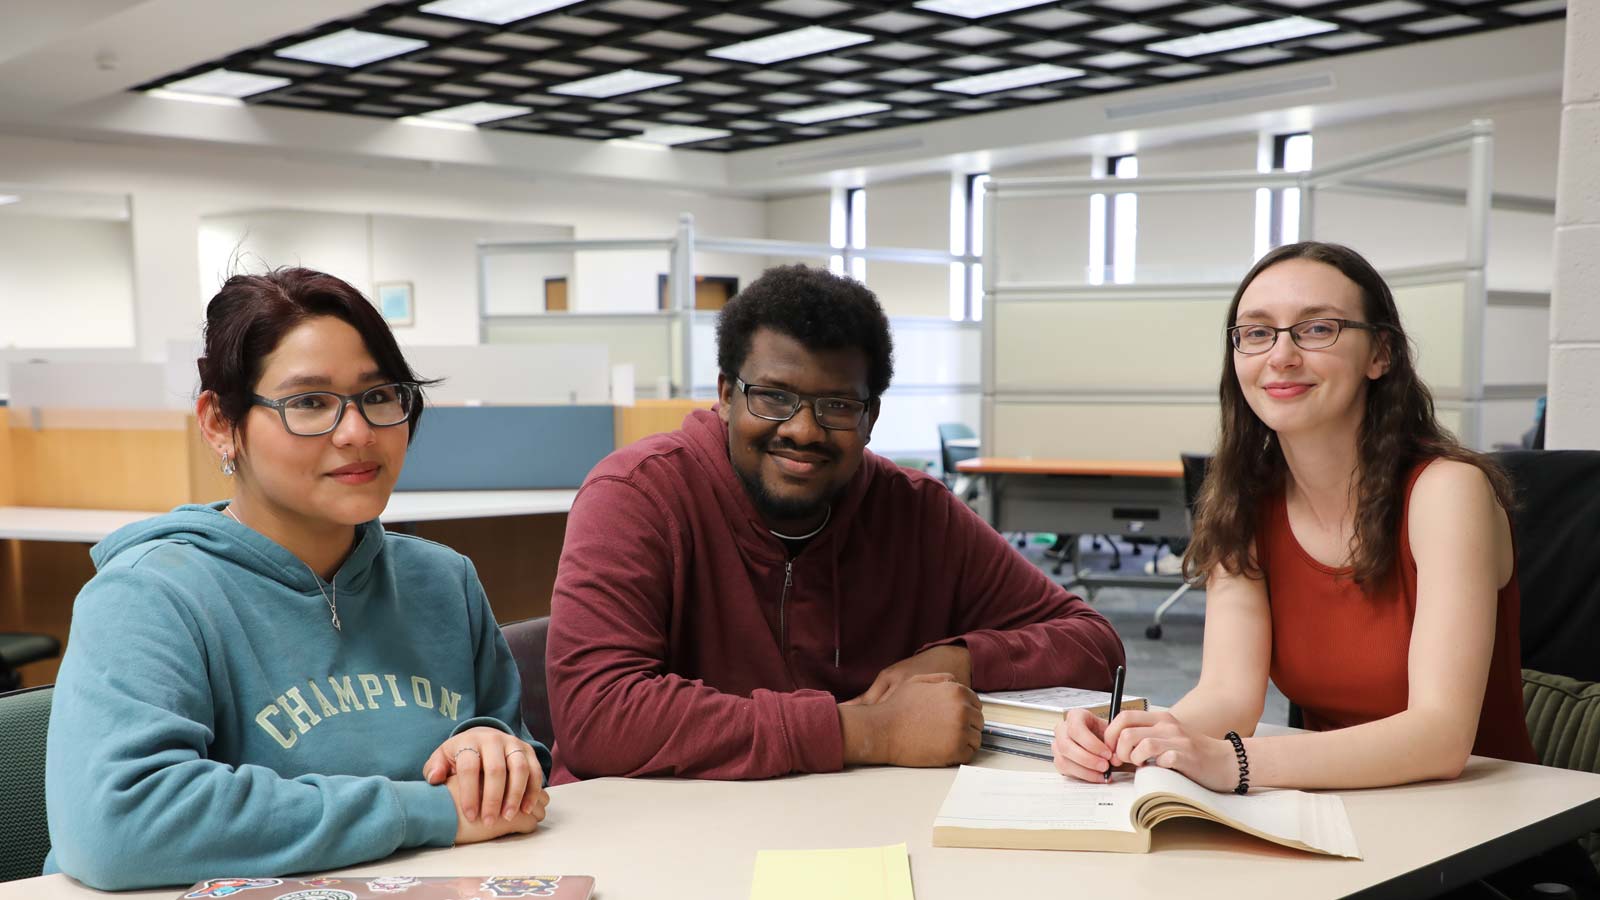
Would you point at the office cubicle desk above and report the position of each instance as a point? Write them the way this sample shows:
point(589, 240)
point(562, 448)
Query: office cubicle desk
point(666, 839)
point(1079, 497)
point(513, 538)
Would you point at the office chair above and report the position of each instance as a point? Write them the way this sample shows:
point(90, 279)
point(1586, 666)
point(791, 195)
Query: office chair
point(1194, 475)
point(948, 455)
point(24, 720)
point(1556, 517)
point(17, 649)
point(527, 640)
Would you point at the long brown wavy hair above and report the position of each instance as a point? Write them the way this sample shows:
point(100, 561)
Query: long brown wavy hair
point(1398, 431)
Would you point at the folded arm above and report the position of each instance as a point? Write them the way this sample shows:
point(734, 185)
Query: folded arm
point(1021, 629)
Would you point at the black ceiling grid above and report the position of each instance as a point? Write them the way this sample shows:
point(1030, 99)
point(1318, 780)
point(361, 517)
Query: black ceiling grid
point(911, 50)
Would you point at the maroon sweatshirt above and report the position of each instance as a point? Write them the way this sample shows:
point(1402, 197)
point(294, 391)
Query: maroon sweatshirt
point(684, 640)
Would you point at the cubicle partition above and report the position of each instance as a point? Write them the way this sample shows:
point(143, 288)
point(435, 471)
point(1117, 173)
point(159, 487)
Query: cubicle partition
point(1130, 371)
point(673, 352)
point(104, 436)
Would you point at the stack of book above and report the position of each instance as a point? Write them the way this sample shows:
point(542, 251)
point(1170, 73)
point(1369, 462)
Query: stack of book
point(1024, 722)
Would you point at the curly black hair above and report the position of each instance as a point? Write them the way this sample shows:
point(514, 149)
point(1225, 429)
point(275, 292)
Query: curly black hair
point(819, 309)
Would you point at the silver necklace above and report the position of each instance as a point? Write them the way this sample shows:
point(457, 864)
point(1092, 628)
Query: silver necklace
point(333, 602)
point(806, 537)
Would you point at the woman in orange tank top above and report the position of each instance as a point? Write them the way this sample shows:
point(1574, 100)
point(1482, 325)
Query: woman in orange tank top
point(1353, 551)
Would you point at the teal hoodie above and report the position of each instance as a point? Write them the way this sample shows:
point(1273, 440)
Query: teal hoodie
point(209, 721)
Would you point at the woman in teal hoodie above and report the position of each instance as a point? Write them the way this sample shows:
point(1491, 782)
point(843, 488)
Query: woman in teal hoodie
point(275, 684)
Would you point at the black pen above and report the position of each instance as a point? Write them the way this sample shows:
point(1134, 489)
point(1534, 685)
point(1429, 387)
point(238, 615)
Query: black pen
point(1116, 703)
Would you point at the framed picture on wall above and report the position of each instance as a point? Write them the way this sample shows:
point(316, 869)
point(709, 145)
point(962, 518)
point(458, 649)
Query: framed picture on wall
point(395, 302)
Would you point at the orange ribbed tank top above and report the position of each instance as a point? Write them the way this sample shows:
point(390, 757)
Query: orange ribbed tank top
point(1341, 655)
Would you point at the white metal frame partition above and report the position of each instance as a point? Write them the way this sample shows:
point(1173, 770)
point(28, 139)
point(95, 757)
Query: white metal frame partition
point(680, 278)
point(1476, 139)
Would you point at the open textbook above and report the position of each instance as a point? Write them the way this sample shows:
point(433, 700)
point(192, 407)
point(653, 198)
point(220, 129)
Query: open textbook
point(1047, 811)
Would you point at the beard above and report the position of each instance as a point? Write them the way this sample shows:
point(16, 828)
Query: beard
point(777, 509)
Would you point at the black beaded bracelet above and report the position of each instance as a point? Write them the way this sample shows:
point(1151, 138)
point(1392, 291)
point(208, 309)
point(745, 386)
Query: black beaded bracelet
point(1244, 763)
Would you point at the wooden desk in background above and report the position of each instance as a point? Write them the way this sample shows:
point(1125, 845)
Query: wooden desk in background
point(513, 538)
point(1079, 497)
point(672, 839)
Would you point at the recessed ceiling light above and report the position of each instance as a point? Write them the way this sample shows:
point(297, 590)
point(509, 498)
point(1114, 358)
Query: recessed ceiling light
point(351, 48)
point(626, 81)
point(8, 199)
point(790, 44)
point(1010, 78)
point(477, 113)
point(1243, 36)
point(495, 12)
point(975, 9)
point(672, 135)
point(225, 83)
point(832, 111)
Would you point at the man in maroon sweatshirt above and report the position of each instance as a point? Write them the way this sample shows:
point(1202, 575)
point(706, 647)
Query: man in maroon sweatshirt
point(755, 594)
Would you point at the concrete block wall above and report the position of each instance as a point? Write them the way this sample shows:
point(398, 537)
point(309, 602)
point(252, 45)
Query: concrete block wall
point(1574, 411)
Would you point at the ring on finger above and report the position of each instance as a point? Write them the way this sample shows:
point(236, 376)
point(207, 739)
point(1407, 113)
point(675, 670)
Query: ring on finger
point(464, 750)
point(517, 750)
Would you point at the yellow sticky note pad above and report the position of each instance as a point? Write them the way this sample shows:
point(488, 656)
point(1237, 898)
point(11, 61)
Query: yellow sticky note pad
point(860, 873)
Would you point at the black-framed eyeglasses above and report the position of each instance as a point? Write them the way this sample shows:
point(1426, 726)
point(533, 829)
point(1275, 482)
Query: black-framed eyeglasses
point(314, 413)
point(778, 405)
point(1311, 334)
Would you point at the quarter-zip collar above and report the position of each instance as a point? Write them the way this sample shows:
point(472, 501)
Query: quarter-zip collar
point(708, 442)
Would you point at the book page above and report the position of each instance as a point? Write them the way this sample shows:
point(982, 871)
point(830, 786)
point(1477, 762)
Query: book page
point(1057, 698)
point(1047, 801)
point(1316, 821)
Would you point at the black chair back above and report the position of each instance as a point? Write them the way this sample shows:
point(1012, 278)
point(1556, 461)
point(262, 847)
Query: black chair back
point(1194, 475)
point(527, 640)
point(1556, 520)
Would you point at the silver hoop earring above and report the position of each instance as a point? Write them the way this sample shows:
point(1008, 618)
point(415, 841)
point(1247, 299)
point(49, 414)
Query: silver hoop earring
point(227, 466)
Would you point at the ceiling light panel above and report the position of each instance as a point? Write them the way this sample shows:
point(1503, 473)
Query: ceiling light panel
point(672, 135)
point(614, 84)
point(711, 63)
point(495, 12)
point(477, 113)
point(8, 199)
point(976, 9)
point(1027, 76)
point(226, 83)
point(351, 48)
point(790, 45)
point(832, 111)
point(1242, 36)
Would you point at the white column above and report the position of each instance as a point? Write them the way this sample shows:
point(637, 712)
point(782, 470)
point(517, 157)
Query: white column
point(168, 301)
point(1574, 412)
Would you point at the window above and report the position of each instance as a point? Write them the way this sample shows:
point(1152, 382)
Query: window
point(848, 231)
point(1278, 210)
point(1114, 226)
point(855, 204)
point(966, 239)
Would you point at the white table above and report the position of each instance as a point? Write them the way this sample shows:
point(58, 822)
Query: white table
point(39, 523)
point(696, 840)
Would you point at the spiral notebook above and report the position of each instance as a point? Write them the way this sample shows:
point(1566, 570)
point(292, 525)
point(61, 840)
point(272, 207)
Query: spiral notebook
point(395, 887)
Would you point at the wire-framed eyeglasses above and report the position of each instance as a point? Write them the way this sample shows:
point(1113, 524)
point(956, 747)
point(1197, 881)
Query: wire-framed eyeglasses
point(779, 405)
point(1311, 334)
point(314, 413)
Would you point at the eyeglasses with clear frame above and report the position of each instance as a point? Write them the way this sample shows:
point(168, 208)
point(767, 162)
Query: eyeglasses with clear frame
point(1311, 334)
point(779, 405)
point(315, 413)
